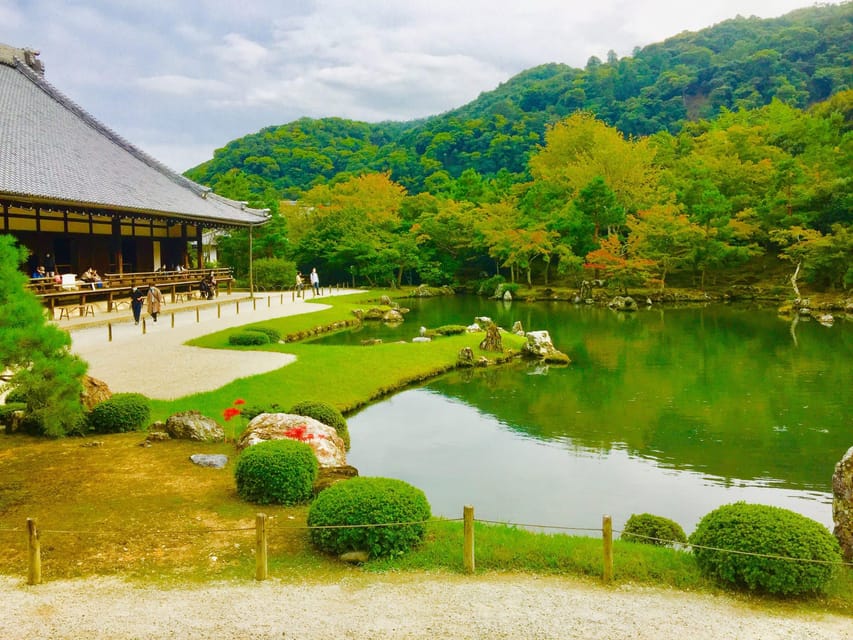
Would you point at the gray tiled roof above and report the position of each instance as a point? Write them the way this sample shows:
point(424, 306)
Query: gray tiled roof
point(52, 150)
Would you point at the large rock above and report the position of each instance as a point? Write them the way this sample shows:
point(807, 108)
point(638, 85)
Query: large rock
point(328, 476)
point(94, 392)
point(465, 357)
point(192, 425)
point(539, 346)
point(323, 439)
point(393, 316)
point(842, 504)
point(623, 303)
point(492, 341)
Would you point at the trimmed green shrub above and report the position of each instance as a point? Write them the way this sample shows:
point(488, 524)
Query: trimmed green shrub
point(369, 501)
point(276, 471)
point(325, 413)
point(272, 334)
point(122, 412)
point(665, 531)
point(773, 531)
point(248, 338)
point(451, 329)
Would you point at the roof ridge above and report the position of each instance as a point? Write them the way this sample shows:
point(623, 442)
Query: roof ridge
point(96, 124)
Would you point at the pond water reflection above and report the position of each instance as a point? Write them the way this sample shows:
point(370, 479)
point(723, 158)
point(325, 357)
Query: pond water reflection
point(668, 411)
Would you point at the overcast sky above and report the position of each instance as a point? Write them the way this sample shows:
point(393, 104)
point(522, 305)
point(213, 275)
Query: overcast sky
point(179, 78)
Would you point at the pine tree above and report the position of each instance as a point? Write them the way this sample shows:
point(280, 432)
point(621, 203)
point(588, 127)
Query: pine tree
point(37, 354)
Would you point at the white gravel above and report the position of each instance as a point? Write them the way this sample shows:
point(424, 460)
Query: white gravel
point(409, 606)
point(159, 365)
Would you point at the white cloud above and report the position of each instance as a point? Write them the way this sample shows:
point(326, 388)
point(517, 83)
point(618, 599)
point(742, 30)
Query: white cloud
point(202, 70)
point(182, 85)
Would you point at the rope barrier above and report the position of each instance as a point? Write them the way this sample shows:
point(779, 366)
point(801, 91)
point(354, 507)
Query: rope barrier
point(152, 531)
point(538, 526)
point(754, 554)
point(431, 521)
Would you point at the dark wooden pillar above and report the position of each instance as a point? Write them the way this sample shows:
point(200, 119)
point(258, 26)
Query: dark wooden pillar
point(198, 246)
point(116, 245)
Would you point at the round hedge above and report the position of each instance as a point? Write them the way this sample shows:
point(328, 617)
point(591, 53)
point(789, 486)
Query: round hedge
point(451, 329)
point(774, 531)
point(272, 334)
point(122, 412)
point(364, 500)
point(276, 471)
point(653, 529)
point(325, 413)
point(248, 338)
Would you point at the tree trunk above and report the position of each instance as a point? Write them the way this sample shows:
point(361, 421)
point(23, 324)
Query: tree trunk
point(794, 280)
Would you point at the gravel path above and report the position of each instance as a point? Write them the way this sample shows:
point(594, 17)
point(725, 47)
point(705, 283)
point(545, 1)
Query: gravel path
point(158, 364)
point(409, 606)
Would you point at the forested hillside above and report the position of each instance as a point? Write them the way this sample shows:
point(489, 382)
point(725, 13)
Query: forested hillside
point(691, 159)
point(800, 59)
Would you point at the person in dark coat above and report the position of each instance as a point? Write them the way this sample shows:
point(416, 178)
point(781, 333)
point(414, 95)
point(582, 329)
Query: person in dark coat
point(136, 300)
point(49, 264)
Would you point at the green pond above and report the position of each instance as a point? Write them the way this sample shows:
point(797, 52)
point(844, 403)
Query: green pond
point(671, 411)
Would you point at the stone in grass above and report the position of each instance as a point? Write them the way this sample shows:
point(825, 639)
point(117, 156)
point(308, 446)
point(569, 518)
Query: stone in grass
point(212, 460)
point(192, 425)
point(323, 439)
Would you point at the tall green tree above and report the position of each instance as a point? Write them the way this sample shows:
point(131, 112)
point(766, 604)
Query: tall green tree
point(38, 354)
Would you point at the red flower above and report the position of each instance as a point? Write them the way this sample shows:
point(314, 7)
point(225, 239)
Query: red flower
point(239, 401)
point(230, 412)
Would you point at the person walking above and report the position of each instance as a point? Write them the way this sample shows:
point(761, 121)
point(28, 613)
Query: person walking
point(315, 281)
point(299, 284)
point(154, 300)
point(136, 300)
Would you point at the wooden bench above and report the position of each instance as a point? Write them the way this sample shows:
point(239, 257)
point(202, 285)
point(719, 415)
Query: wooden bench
point(83, 309)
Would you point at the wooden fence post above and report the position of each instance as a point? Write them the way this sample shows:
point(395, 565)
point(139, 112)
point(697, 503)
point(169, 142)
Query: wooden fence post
point(218, 309)
point(197, 315)
point(254, 304)
point(607, 535)
point(261, 570)
point(468, 545)
point(143, 326)
point(33, 553)
point(282, 298)
point(110, 331)
point(238, 307)
point(173, 320)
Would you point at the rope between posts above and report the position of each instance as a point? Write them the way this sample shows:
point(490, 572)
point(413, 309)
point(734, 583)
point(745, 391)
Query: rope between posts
point(306, 527)
point(755, 554)
point(152, 531)
point(538, 526)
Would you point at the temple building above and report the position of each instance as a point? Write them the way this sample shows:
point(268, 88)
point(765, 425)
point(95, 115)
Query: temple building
point(77, 195)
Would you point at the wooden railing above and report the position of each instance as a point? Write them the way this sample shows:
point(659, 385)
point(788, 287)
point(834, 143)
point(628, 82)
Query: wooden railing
point(115, 286)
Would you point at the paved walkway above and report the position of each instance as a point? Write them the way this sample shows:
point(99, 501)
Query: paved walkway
point(151, 358)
